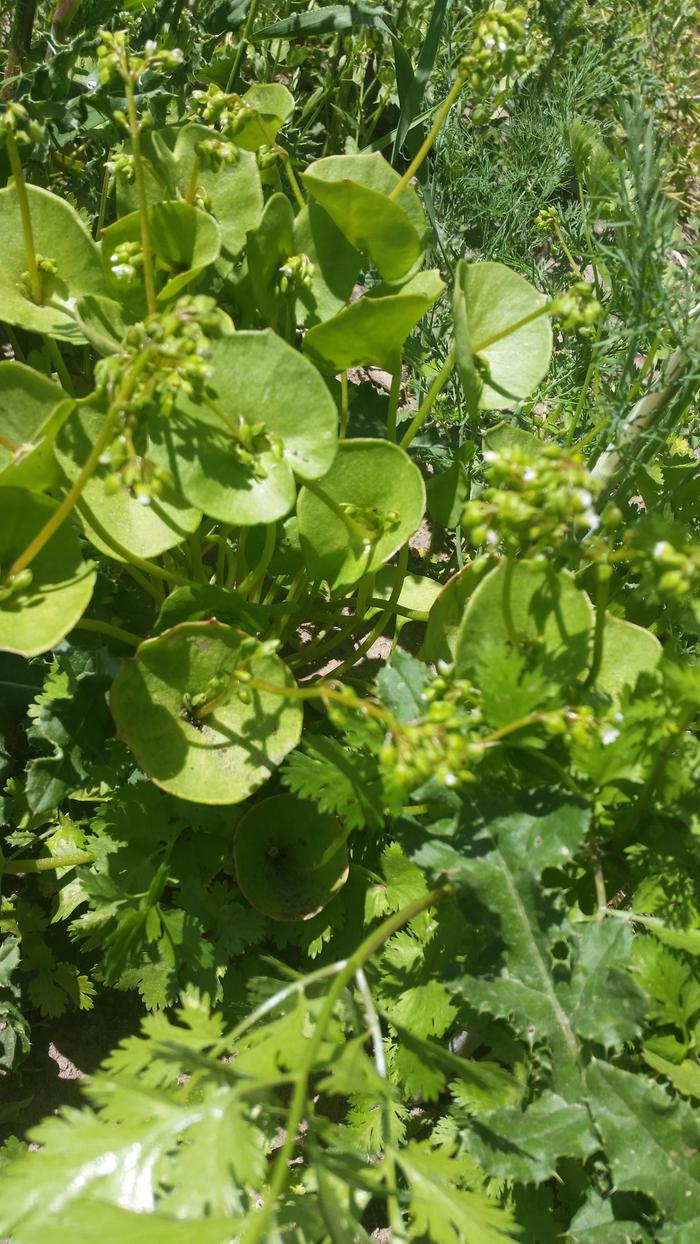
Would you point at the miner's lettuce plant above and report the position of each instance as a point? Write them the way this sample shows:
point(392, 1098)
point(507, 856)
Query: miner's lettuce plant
point(487, 848)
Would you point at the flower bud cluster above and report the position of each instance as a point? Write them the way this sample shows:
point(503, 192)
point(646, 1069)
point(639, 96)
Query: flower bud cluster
point(164, 358)
point(215, 153)
point(369, 522)
point(443, 744)
point(577, 308)
point(497, 51)
point(541, 501)
point(121, 165)
point(546, 219)
point(115, 60)
point(671, 568)
point(126, 261)
point(16, 122)
point(295, 273)
point(215, 107)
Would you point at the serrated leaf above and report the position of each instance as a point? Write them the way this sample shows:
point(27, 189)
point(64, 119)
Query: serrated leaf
point(652, 1142)
point(442, 1211)
point(525, 1145)
point(604, 1002)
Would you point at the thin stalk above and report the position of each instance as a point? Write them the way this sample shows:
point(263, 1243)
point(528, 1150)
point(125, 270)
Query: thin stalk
point(61, 514)
point(59, 365)
point(135, 563)
point(104, 195)
point(327, 691)
point(507, 601)
point(394, 394)
point(383, 618)
point(562, 242)
point(140, 185)
point(106, 628)
point(440, 118)
point(260, 1221)
point(26, 219)
point(46, 865)
point(438, 384)
point(342, 431)
point(601, 605)
point(250, 585)
point(285, 158)
point(243, 41)
point(194, 181)
point(375, 1031)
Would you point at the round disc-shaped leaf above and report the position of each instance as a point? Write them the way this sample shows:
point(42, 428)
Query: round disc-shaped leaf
point(364, 509)
point(354, 190)
point(417, 593)
point(36, 619)
point(184, 241)
point(234, 191)
point(372, 330)
point(201, 457)
point(628, 651)
point(145, 530)
point(290, 858)
point(546, 607)
point(32, 409)
point(275, 105)
point(216, 757)
point(447, 611)
point(59, 235)
point(336, 265)
point(492, 298)
point(260, 378)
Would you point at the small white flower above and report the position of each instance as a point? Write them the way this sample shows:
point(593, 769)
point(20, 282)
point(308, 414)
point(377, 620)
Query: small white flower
point(608, 735)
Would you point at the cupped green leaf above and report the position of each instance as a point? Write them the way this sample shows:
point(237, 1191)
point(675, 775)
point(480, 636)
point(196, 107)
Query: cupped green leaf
point(234, 192)
point(547, 610)
point(367, 506)
point(274, 105)
point(262, 381)
point(190, 723)
point(447, 611)
point(290, 858)
point(417, 592)
point(354, 191)
point(184, 241)
point(269, 246)
point(36, 618)
point(372, 330)
point(145, 530)
point(32, 409)
point(61, 237)
point(205, 601)
point(628, 651)
point(336, 265)
point(488, 300)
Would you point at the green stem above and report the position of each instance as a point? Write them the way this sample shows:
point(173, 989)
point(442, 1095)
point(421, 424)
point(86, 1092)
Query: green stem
point(327, 691)
point(104, 195)
point(194, 180)
point(249, 586)
point(394, 394)
point(49, 864)
point(343, 406)
point(140, 563)
point(507, 601)
point(562, 242)
point(599, 632)
point(440, 118)
point(438, 384)
point(140, 184)
point(59, 364)
point(260, 1221)
point(244, 39)
point(106, 628)
point(26, 219)
point(61, 513)
point(394, 1212)
point(285, 158)
point(383, 618)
